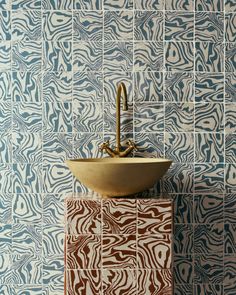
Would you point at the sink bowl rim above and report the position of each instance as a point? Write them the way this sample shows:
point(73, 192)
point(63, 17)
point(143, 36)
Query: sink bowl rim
point(120, 160)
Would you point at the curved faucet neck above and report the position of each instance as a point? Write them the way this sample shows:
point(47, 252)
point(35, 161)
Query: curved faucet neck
point(121, 87)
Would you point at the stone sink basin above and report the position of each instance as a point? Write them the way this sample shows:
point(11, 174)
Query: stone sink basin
point(118, 176)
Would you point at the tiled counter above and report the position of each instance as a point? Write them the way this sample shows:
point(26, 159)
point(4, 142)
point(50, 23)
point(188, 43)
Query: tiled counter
point(118, 246)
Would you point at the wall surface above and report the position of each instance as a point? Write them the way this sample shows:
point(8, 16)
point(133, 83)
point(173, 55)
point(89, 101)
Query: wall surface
point(60, 62)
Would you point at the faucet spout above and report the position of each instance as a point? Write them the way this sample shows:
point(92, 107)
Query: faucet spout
point(118, 152)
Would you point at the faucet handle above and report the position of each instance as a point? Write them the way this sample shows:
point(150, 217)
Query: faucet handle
point(104, 145)
point(132, 144)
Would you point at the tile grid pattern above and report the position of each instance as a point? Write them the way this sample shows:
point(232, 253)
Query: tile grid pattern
point(130, 231)
point(37, 127)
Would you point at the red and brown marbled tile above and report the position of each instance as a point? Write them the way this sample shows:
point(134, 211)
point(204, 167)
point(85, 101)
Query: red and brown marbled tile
point(119, 281)
point(84, 252)
point(154, 282)
point(119, 216)
point(83, 282)
point(154, 216)
point(83, 216)
point(154, 251)
point(119, 251)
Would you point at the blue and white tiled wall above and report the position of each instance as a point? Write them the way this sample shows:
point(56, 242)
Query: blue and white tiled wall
point(60, 62)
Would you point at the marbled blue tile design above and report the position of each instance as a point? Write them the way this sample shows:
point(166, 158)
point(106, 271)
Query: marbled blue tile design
point(60, 64)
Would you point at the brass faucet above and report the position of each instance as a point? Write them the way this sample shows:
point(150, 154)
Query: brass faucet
point(117, 152)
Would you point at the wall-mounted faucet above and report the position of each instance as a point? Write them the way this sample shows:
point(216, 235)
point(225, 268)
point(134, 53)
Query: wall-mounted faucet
point(117, 152)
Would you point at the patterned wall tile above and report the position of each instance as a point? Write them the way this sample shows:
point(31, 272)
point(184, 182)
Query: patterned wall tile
point(5, 238)
point(148, 86)
point(149, 5)
point(57, 25)
point(87, 25)
point(179, 56)
point(57, 5)
point(230, 180)
point(118, 25)
point(208, 269)
point(5, 178)
point(183, 208)
point(186, 289)
point(53, 209)
point(148, 117)
point(60, 144)
point(208, 208)
point(26, 239)
point(53, 270)
point(27, 178)
point(183, 269)
point(179, 5)
point(57, 56)
point(5, 56)
point(26, 269)
point(57, 86)
point(85, 281)
point(87, 87)
point(209, 57)
point(120, 281)
point(5, 208)
point(26, 25)
point(149, 144)
point(230, 87)
point(230, 5)
point(179, 117)
point(208, 238)
point(230, 118)
point(26, 4)
point(144, 28)
point(179, 147)
point(209, 87)
point(87, 56)
point(209, 178)
point(57, 117)
point(56, 178)
point(5, 269)
point(27, 147)
point(6, 289)
point(118, 56)
point(229, 273)
point(26, 86)
point(83, 252)
point(209, 289)
point(209, 26)
point(5, 4)
point(211, 5)
point(5, 25)
point(209, 117)
point(5, 86)
point(53, 240)
point(229, 238)
point(209, 147)
point(229, 208)
point(5, 117)
point(230, 55)
point(27, 208)
point(230, 148)
point(32, 289)
point(27, 117)
point(183, 239)
point(26, 56)
point(230, 20)
point(178, 26)
point(148, 56)
point(5, 148)
point(83, 217)
point(117, 5)
point(119, 251)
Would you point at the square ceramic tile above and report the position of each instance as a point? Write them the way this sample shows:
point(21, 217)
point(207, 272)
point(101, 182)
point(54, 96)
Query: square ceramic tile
point(57, 5)
point(118, 5)
point(5, 208)
point(212, 5)
point(183, 262)
point(53, 209)
point(5, 56)
point(149, 144)
point(230, 5)
point(148, 246)
point(118, 25)
point(5, 25)
point(53, 270)
point(179, 5)
point(230, 118)
point(230, 19)
point(183, 239)
point(6, 148)
point(5, 238)
point(86, 145)
point(119, 217)
point(230, 181)
point(85, 281)
point(83, 217)
point(88, 5)
point(230, 87)
point(230, 53)
point(53, 240)
point(6, 269)
point(119, 251)
point(229, 208)
point(83, 251)
point(29, 4)
point(154, 217)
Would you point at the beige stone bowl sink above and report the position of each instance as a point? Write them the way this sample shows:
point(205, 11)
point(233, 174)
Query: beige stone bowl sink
point(118, 176)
